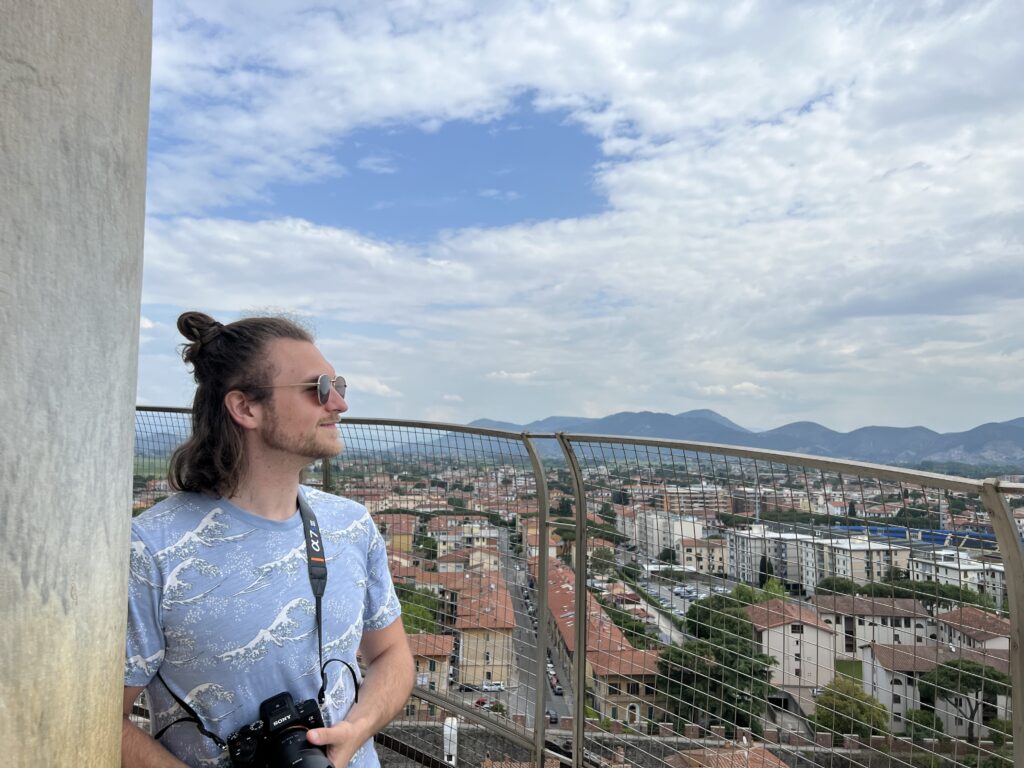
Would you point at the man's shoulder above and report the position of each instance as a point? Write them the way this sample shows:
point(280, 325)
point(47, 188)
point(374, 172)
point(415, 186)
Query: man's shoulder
point(330, 503)
point(176, 510)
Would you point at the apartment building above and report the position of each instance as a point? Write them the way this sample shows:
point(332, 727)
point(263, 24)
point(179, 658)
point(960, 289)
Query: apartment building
point(968, 626)
point(452, 532)
point(745, 549)
point(959, 569)
point(705, 556)
point(398, 530)
point(658, 530)
point(859, 621)
point(700, 502)
point(621, 678)
point(892, 674)
point(432, 656)
point(485, 623)
point(801, 643)
point(861, 559)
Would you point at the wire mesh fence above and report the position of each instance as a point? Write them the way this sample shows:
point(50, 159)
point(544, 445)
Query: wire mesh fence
point(732, 606)
point(820, 610)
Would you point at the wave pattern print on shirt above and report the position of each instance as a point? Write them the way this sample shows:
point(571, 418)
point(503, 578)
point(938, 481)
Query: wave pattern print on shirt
point(176, 588)
point(289, 564)
point(278, 633)
point(146, 666)
point(210, 532)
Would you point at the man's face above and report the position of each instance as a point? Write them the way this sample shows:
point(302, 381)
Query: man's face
point(295, 422)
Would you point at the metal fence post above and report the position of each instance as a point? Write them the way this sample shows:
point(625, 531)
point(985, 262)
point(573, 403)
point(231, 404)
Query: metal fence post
point(1011, 547)
point(540, 719)
point(579, 659)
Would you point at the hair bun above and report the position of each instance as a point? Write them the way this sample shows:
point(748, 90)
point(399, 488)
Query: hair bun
point(200, 329)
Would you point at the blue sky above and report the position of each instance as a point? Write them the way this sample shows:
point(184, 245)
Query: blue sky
point(780, 211)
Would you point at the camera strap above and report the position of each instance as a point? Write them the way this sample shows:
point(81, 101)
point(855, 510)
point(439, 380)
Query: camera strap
point(317, 564)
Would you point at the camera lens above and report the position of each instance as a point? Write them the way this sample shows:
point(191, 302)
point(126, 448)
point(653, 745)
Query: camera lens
point(293, 750)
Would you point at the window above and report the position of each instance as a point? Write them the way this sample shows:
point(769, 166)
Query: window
point(417, 665)
point(634, 689)
point(410, 710)
point(896, 699)
point(649, 690)
point(432, 666)
point(613, 687)
point(615, 713)
point(487, 656)
point(796, 629)
point(796, 657)
point(860, 621)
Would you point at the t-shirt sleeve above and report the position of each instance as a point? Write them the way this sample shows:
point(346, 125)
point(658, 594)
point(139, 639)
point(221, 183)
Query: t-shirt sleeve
point(382, 606)
point(144, 647)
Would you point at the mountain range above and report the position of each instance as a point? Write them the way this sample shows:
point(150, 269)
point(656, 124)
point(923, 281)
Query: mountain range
point(995, 443)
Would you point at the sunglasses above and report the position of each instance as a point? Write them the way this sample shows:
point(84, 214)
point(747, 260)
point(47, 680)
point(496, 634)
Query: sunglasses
point(322, 385)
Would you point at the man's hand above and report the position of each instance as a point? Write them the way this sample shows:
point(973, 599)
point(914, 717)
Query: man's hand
point(385, 689)
point(341, 741)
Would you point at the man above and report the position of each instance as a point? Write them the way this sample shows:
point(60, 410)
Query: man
point(222, 615)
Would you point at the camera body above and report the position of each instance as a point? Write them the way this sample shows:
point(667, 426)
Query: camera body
point(278, 738)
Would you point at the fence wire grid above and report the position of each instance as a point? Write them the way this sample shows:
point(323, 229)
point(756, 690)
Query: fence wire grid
point(733, 607)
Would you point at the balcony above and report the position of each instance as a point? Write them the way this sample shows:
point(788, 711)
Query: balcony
point(550, 625)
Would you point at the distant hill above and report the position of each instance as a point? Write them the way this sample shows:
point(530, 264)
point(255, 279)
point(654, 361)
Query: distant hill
point(997, 444)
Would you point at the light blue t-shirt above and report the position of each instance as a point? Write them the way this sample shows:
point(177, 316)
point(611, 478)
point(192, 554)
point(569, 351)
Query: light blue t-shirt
point(219, 602)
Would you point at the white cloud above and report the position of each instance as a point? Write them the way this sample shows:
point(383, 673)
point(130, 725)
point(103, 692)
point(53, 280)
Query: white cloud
point(511, 376)
point(371, 385)
point(814, 209)
point(378, 164)
point(451, 398)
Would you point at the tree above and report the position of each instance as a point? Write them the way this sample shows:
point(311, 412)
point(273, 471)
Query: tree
point(603, 560)
point(765, 572)
point(851, 511)
point(844, 707)
point(621, 497)
point(836, 585)
point(607, 513)
point(722, 680)
point(564, 508)
point(427, 545)
point(457, 501)
point(668, 555)
point(965, 686)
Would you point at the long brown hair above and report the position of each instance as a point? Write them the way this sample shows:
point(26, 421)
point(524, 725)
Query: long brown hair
point(223, 358)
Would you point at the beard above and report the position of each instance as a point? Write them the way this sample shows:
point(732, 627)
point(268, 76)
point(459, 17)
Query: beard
point(319, 444)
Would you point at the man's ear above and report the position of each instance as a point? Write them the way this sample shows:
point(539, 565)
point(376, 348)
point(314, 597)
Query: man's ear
point(242, 410)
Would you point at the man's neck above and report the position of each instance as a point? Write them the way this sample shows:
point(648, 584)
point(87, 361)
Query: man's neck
point(270, 491)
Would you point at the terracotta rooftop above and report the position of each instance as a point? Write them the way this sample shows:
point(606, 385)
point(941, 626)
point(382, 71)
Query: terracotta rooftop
point(430, 645)
point(976, 622)
point(925, 658)
point(849, 605)
point(756, 756)
point(778, 612)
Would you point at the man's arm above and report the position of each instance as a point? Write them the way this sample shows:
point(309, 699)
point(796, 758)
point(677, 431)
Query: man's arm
point(385, 689)
point(138, 748)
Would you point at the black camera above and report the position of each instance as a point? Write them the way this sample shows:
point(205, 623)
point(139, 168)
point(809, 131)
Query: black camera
point(278, 738)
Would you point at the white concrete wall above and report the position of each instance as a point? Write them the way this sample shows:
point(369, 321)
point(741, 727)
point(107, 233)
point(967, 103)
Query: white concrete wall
point(74, 101)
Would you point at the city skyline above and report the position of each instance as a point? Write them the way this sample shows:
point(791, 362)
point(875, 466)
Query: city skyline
point(775, 211)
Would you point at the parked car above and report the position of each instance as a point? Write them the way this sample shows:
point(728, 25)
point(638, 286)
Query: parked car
point(558, 691)
point(720, 590)
point(552, 716)
point(492, 685)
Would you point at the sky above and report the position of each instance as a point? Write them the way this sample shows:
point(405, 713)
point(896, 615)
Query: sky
point(781, 211)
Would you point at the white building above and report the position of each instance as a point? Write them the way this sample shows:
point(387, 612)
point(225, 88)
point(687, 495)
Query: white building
point(746, 547)
point(892, 674)
point(860, 621)
point(968, 626)
point(802, 645)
